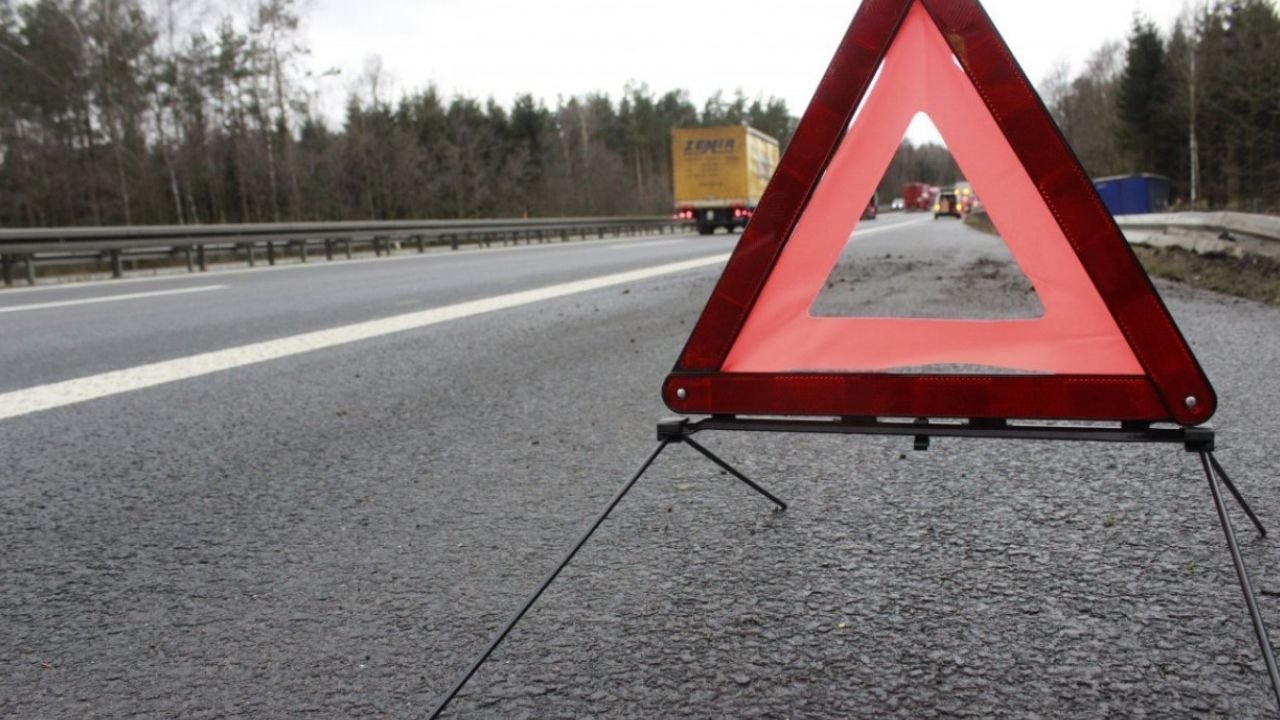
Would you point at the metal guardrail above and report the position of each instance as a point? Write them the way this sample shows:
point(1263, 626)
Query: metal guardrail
point(1263, 227)
point(1229, 233)
point(118, 247)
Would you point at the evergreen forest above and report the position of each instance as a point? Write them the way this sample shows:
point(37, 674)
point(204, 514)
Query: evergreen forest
point(110, 114)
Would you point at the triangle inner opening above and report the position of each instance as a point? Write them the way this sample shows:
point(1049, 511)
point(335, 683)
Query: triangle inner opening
point(924, 247)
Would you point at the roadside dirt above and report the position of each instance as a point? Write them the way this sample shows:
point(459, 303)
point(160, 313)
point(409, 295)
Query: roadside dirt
point(1253, 276)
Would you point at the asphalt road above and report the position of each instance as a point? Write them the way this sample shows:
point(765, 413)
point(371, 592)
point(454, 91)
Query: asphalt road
point(336, 532)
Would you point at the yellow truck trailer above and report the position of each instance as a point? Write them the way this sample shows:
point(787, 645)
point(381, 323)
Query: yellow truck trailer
point(719, 174)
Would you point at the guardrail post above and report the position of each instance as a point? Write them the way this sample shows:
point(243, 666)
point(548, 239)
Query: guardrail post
point(6, 268)
point(186, 253)
point(347, 242)
point(200, 258)
point(302, 249)
point(422, 243)
point(271, 253)
point(117, 268)
point(328, 248)
point(30, 269)
point(253, 253)
point(377, 247)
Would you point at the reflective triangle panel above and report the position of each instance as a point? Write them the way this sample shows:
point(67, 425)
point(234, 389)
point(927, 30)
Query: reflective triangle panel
point(1105, 347)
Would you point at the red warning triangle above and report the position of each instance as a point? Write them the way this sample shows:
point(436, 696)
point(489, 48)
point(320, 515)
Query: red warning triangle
point(1105, 347)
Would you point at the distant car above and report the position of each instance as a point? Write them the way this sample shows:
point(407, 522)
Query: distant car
point(896, 204)
point(947, 204)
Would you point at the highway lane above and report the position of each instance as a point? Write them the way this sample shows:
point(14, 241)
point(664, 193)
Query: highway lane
point(337, 532)
point(167, 320)
point(261, 304)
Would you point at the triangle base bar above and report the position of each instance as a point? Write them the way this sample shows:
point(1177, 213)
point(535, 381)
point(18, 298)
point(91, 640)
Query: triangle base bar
point(1043, 397)
point(1194, 439)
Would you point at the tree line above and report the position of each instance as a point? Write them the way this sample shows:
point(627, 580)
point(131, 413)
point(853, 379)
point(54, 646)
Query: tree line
point(1202, 100)
point(112, 112)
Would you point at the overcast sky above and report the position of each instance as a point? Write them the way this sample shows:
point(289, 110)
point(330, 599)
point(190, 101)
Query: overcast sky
point(551, 48)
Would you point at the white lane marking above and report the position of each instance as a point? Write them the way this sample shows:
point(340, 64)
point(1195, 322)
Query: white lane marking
point(110, 298)
point(645, 245)
point(860, 232)
point(69, 392)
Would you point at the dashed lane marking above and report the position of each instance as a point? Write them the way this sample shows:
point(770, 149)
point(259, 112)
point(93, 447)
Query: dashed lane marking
point(109, 298)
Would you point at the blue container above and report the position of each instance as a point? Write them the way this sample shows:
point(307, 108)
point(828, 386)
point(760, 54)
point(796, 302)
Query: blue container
point(1134, 194)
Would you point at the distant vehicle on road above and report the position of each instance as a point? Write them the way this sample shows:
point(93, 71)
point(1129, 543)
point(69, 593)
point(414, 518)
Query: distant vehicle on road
point(872, 208)
point(719, 174)
point(965, 196)
point(948, 204)
point(917, 196)
point(896, 204)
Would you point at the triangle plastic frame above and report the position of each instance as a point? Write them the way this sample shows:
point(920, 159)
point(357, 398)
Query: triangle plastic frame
point(1172, 388)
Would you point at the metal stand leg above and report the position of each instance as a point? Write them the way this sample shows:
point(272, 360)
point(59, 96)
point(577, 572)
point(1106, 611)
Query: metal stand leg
point(732, 471)
point(1222, 475)
point(1250, 599)
point(497, 639)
